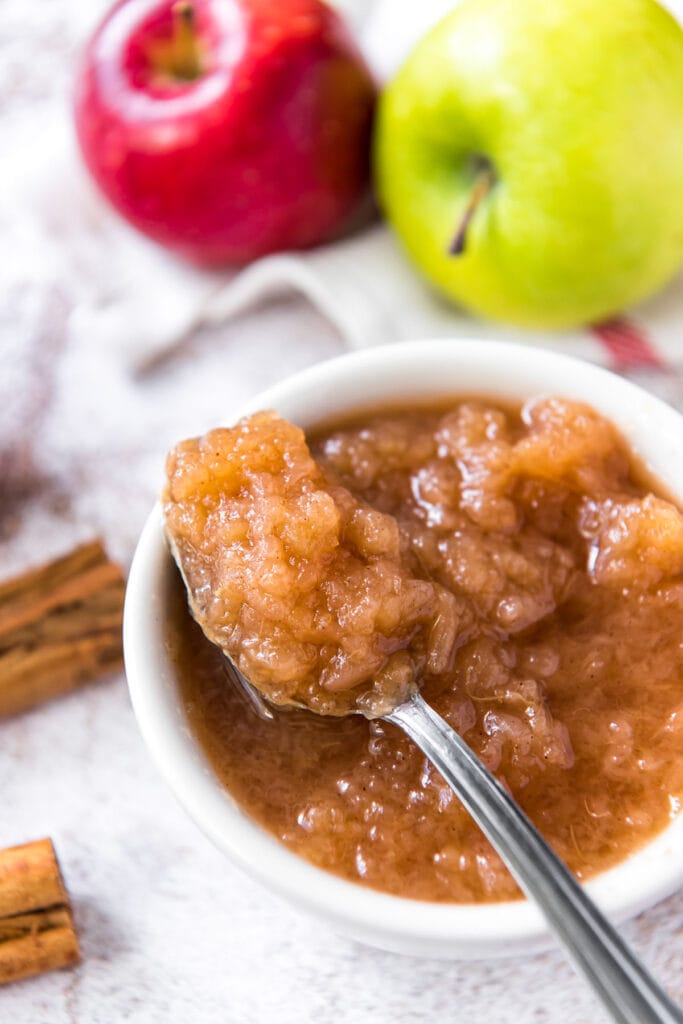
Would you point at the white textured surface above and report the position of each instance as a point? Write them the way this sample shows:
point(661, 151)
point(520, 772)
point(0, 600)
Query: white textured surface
point(170, 931)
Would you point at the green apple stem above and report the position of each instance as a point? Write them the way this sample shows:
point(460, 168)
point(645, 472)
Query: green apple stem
point(481, 186)
point(185, 56)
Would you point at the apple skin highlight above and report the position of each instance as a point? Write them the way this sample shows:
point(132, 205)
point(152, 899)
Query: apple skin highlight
point(266, 148)
point(578, 109)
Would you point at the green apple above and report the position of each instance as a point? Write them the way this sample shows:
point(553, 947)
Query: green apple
point(529, 154)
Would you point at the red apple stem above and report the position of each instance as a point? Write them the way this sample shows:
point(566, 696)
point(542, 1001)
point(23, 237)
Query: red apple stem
point(481, 186)
point(185, 56)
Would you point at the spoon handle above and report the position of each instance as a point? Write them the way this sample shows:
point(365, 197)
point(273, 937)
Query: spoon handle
point(619, 979)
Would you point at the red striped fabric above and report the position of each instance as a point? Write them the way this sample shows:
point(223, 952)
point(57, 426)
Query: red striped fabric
point(627, 345)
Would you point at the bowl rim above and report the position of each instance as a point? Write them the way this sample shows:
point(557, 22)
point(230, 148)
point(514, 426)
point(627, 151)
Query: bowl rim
point(649, 874)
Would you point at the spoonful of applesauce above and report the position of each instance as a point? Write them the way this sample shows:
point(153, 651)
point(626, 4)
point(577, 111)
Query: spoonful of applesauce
point(310, 595)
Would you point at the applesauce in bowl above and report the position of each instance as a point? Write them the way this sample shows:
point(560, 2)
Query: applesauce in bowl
point(514, 560)
point(353, 797)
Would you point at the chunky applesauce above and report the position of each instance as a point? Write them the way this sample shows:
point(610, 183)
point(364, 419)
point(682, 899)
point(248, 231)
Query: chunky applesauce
point(514, 564)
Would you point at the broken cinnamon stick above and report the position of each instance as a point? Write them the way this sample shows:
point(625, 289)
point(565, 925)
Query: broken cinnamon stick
point(60, 627)
point(36, 924)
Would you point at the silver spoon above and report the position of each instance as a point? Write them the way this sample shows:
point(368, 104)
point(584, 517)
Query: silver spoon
point(626, 989)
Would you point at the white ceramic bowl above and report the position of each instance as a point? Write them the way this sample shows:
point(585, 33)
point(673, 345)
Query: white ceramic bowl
point(415, 370)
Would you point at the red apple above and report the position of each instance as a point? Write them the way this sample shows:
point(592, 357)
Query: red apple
point(227, 129)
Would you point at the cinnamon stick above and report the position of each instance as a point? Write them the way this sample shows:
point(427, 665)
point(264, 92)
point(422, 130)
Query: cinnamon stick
point(36, 924)
point(60, 626)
